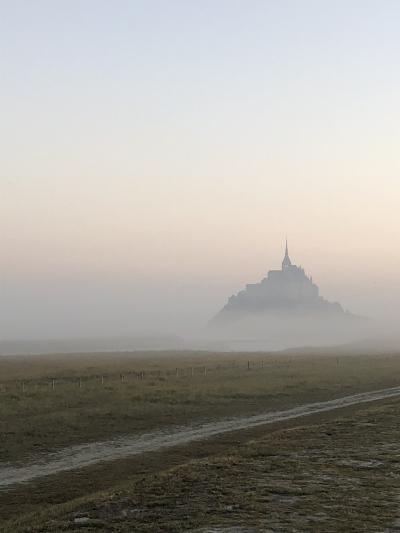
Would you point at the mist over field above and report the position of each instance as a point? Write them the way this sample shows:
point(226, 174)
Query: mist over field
point(108, 314)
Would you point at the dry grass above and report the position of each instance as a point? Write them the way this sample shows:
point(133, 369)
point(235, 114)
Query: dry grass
point(40, 419)
point(338, 475)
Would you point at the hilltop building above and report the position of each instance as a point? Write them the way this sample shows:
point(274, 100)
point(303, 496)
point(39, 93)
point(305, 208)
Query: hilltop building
point(285, 292)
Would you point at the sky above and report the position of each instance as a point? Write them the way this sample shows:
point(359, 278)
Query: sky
point(154, 155)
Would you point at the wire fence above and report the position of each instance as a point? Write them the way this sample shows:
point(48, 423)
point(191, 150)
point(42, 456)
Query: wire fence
point(125, 377)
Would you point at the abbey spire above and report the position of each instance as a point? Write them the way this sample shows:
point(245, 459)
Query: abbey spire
point(286, 263)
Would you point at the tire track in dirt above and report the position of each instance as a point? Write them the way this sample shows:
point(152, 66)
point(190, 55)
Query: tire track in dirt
point(80, 456)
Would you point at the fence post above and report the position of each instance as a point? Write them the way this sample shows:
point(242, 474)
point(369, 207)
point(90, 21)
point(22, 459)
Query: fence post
point(102, 380)
point(248, 365)
point(53, 384)
point(80, 382)
point(23, 387)
point(205, 370)
point(177, 372)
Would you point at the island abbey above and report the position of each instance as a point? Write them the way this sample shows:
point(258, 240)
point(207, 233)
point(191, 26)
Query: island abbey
point(288, 291)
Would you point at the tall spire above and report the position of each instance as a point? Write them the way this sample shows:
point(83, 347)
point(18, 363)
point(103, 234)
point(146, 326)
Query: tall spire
point(286, 260)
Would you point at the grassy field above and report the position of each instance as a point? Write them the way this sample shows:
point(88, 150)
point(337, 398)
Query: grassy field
point(84, 407)
point(335, 475)
point(90, 401)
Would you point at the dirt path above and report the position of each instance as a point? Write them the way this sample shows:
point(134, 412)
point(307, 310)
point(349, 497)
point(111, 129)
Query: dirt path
point(80, 456)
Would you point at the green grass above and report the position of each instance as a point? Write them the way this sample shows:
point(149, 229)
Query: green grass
point(40, 419)
point(341, 474)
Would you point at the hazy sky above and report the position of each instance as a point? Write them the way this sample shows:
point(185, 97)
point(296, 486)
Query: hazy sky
point(154, 154)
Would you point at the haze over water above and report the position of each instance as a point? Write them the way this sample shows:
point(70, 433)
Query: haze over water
point(155, 154)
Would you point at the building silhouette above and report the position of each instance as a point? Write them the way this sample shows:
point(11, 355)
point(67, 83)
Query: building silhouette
point(285, 292)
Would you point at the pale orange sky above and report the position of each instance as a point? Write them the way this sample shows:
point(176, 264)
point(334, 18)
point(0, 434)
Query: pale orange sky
point(153, 161)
